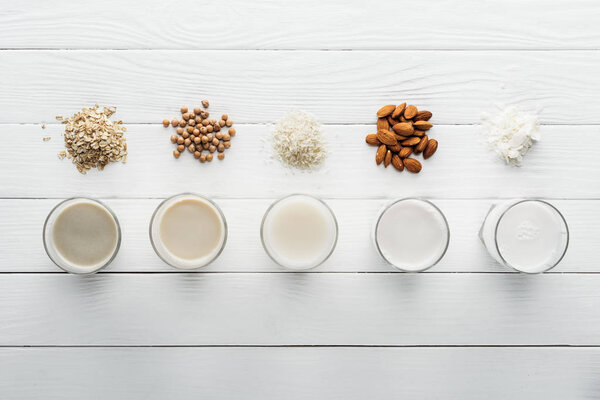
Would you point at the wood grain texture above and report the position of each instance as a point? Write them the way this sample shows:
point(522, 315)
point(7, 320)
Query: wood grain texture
point(461, 168)
point(300, 373)
point(306, 309)
point(236, 24)
point(337, 86)
point(22, 221)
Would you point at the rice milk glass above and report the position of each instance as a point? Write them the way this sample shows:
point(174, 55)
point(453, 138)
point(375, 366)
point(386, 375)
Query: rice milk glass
point(188, 231)
point(81, 235)
point(529, 236)
point(299, 232)
point(412, 234)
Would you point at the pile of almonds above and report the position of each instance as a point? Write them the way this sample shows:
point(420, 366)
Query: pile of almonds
point(199, 134)
point(401, 132)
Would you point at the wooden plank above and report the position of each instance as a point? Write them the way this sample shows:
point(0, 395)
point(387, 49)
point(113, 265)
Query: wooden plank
point(461, 168)
point(306, 309)
point(22, 222)
point(300, 373)
point(236, 24)
point(337, 86)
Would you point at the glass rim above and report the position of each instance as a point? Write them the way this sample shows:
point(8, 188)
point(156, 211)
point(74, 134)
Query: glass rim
point(211, 203)
point(390, 205)
point(509, 265)
point(112, 214)
point(335, 224)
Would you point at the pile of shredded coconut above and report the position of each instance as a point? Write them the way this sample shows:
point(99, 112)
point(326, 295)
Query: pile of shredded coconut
point(510, 133)
point(298, 141)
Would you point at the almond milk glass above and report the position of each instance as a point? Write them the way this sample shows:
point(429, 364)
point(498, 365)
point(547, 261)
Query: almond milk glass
point(412, 234)
point(299, 231)
point(81, 235)
point(527, 235)
point(188, 231)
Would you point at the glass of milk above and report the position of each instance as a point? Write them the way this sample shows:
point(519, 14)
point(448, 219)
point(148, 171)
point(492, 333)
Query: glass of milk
point(188, 231)
point(299, 232)
point(412, 234)
point(529, 236)
point(81, 235)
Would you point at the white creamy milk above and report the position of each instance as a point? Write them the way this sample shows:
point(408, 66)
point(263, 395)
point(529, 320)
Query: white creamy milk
point(299, 232)
point(412, 234)
point(530, 235)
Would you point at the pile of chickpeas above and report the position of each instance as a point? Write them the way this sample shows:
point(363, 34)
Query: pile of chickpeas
point(200, 135)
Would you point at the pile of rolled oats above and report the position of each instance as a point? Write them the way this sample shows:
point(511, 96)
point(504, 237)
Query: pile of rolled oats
point(92, 140)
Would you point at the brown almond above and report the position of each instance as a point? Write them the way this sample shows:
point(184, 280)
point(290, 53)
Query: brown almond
point(391, 121)
point(380, 155)
point(401, 138)
point(398, 111)
point(387, 137)
point(372, 140)
point(403, 128)
point(383, 123)
point(397, 162)
point(418, 133)
point(388, 159)
point(386, 110)
point(411, 141)
point(423, 116)
point(412, 165)
point(405, 152)
point(410, 112)
point(402, 119)
point(395, 148)
point(423, 125)
point(432, 146)
point(422, 144)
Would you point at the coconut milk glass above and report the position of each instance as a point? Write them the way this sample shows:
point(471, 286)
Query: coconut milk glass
point(81, 235)
point(412, 234)
point(299, 232)
point(188, 231)
point(527, 235)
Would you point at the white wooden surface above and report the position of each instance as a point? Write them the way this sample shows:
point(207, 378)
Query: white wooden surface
point(354, 328)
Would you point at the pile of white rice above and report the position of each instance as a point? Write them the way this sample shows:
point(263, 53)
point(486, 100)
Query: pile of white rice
point(298, 141)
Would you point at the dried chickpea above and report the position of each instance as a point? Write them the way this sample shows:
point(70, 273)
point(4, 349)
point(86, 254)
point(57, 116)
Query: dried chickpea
point(202, 158)
point(232, 132)
point(219, 135)
point(173, 138)
point(191, 122)
point(185, 134)
point(187, 142)
point(221, 156)
point(224, 117)
point(209, 137)
point(209, 128)
point(182, 123)
point(198, 120)
point(227, 145)
point(190, 129)
point(185, 116)
point(166, 122)
point(203, 130)
point(192, 115)
point(222, 123)
point(196, 154)
point(205, 146)
point(204, 114)
point(226, 137)
point(197, 140)
point(205, 103)
point(176, 153)
point(184, 109)
point(229, 123)
point(209, 157)
point(221, 148)
point(180, 140)
point(192, 148)
point(215, 142)
point(217, 128)
point(179, 130)
point(197, 110)
point(204, 139)
point(205, 122)
point(212, 148)
point(181, 148)
point(196, 132)
point(175, 122)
